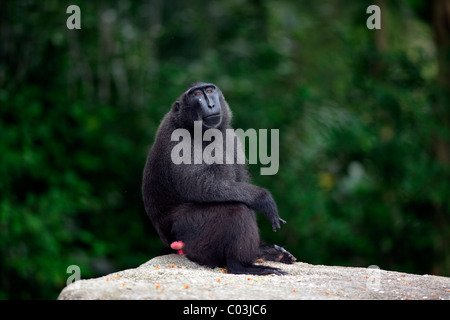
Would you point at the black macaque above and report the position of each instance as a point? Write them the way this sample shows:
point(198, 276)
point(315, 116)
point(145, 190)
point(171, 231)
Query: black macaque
point(209, 207)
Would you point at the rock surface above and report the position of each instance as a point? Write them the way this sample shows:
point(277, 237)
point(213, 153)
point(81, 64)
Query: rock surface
point(175, 277)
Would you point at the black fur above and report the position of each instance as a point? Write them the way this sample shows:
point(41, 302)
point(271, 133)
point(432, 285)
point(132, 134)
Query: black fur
point(210, 207)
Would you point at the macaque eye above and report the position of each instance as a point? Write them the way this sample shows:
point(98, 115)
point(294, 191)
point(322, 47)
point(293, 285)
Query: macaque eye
point(198, 93)
point(209, 90)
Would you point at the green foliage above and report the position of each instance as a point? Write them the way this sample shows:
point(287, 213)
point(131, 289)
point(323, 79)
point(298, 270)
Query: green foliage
point(361, 179)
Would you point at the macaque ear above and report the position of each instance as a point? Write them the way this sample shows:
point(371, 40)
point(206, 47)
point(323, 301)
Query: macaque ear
point(176, 106)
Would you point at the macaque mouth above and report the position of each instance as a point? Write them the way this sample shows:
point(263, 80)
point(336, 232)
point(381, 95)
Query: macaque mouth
point(212, 120)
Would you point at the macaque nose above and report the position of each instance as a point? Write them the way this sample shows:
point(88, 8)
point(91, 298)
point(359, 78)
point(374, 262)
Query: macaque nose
point(209, 103)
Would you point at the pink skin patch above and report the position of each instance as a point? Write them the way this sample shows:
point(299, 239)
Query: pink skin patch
point(177, 245)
